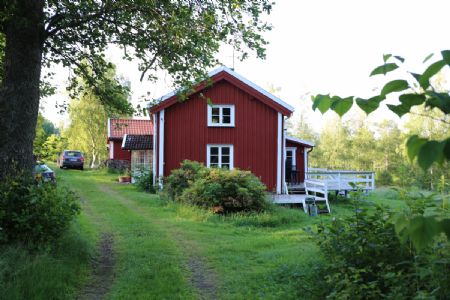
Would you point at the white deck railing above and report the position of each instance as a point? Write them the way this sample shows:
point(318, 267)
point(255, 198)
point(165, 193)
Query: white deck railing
point(342, 179)
point(319, 190)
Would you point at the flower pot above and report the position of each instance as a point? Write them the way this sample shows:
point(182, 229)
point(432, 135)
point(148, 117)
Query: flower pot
point(124, 179)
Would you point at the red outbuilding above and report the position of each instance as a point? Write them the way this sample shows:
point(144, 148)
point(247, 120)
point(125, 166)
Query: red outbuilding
point(118, 129)
point(228, 123)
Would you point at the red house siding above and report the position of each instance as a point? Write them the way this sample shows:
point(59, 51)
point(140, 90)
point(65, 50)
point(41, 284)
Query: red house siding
point(120, 154)
point(299, 158)
point(254, 136)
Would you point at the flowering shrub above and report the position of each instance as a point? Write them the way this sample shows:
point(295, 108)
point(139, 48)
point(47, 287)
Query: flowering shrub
point(227, 191)
point(180, 179)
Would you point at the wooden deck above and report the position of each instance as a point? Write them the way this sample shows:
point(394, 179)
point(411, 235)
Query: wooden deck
point(298, 199)
point(319, 182)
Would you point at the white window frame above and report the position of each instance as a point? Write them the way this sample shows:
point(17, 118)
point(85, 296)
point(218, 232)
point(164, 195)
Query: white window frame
point(294, 154)
point(220, 146)
point(221, 107)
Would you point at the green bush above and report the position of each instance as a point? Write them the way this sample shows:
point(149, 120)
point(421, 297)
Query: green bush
point(180, 179)
point(144, 181)
point(227, 191)
point(384, 178)
point(34, 214)
point(366, 259)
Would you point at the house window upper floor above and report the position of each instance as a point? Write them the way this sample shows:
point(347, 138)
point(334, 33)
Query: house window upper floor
point(219, 156)
point(221, 115)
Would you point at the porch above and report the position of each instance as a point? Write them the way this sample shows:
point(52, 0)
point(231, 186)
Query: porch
point(319, 182)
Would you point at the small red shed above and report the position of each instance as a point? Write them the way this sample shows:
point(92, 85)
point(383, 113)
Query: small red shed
point(241, 127)
point(118, 128)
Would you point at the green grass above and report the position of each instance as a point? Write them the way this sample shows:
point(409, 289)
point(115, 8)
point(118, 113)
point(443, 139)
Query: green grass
point(54, 273)
point(252, 256)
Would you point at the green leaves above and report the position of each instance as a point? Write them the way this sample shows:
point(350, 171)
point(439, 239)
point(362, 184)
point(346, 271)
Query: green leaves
point(369, 105)
point(322, 102)
point(394, 86)
point(446, 56)
point(426, 151)
point(432, 70)
point(430, 152)
point(413, 145)
point(447, 149)
point(422, 230)
point(384, 69)
point(407, 101)
point(338, 104)
point(412, 99)
point(399, 110)
point(341, 106)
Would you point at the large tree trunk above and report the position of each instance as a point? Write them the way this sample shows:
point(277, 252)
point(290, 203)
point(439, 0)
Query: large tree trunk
point(19, 94)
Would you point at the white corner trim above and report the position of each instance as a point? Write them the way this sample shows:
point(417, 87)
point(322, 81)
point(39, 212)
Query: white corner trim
point(161, 144)
point(305, 153)
point(294, 154)
point(279, 152)
point(109, 128)
point(308, 143)
point(208, 156)
point(155, 134)
point(221, 106)
point(241, 78)
point(111, 149)
point(124, 140)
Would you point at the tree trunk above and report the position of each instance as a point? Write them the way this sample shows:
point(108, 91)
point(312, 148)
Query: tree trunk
point(19, 93)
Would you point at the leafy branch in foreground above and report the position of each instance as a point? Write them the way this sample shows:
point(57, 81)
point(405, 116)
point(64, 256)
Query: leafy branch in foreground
point(417, 91)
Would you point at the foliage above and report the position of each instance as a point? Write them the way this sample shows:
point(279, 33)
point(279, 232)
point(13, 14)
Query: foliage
point(366, 259)
point(180, 37)
point(227, 190)
point(144, 181)
point(88, 118)
point(383, 178)
point(419, 92)
point(181, 178)
point(162, 35)
point(34, 214)
point(425, 218)
point(53, 147)
point(44, 129)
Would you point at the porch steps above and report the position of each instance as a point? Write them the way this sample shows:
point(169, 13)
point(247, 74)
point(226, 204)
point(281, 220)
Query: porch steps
point(296, 190)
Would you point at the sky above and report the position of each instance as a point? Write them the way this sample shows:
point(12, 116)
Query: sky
point(320, 46)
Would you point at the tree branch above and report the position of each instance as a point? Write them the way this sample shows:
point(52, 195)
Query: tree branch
point(430, 117)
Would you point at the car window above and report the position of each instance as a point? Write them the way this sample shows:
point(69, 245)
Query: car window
point(73, 153)
point(41, 168)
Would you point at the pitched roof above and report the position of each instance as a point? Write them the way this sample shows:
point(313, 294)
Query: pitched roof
point(137, 142)
point(300, 141)
point(117, 128)
point(224, 73)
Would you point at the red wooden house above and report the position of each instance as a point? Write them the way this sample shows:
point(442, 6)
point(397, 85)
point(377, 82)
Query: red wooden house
point(243, 128)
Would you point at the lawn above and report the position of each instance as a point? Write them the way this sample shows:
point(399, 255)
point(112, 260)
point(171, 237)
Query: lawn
point(156, 249)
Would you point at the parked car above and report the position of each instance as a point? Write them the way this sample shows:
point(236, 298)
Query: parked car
point(42, 173)
point(71, 159)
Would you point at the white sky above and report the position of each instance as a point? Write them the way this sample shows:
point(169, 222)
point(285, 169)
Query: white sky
point(320, 46)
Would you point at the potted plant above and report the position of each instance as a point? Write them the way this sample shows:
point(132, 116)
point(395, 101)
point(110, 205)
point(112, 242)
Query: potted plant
point(126, 177)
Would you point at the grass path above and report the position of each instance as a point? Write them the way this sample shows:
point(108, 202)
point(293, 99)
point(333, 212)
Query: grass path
point(169, 251)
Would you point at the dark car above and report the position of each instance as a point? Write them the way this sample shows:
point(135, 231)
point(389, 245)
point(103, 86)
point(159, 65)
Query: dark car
point(42, 173)
point(71, 159)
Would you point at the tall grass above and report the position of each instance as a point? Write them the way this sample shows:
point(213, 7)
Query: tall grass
point(56, 272)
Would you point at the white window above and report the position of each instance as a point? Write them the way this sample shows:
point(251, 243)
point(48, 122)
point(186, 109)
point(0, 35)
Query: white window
point(141, 160)
point(221, 115)
point(219, 156)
